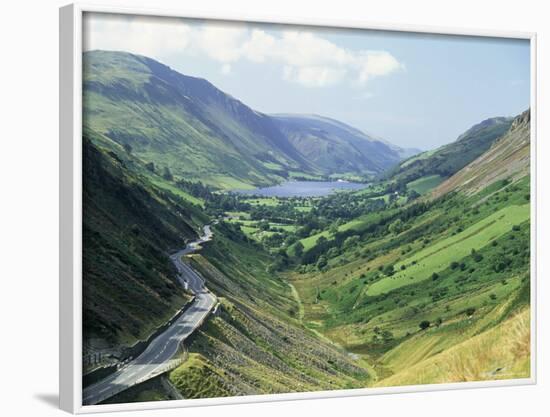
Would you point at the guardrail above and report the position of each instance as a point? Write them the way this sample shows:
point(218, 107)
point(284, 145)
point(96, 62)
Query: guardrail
point(168, 366)
point(182, 350)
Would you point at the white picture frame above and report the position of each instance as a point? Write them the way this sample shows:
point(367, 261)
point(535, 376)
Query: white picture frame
point(70, 203)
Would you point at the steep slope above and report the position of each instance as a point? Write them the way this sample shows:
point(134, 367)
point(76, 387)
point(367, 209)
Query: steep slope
point(337, 148)
point(508, 158)
point(256, 344)
point(449, 159)
point(183, 123)
point(502, 352)
point(129, 225)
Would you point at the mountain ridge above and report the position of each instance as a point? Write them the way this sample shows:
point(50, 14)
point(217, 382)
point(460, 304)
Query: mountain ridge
point(507, 158)
point(448, 159)
point(196, 130)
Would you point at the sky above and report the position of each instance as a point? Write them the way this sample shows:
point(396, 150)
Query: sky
point(414, 90)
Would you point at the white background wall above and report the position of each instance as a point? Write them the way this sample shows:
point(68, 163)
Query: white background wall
point(28, 207)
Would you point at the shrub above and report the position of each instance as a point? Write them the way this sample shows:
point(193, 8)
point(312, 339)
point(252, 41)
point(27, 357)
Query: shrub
point(470, 311)
point(389, 270)
point(424, 324)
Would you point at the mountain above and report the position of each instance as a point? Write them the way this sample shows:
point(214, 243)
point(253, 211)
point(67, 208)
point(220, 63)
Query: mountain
point(183, 123)
point(198, 132)
point(448, 159)
point(129, 225)
point(337, 148)
point(508, 158)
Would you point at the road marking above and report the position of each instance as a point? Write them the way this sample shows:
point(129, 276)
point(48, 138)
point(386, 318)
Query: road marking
point(171, 337)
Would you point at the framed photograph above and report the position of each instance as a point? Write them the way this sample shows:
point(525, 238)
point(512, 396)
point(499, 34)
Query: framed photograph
point(257, 209)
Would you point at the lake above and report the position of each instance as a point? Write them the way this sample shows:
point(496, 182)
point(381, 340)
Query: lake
point(304, 189)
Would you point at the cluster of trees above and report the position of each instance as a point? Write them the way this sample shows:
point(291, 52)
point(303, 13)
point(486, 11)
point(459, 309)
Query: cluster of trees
point(215, 203)
point(284, 212)
point(347, 206)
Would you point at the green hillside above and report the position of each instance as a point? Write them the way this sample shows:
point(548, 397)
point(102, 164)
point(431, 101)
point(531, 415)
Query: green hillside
point(403, 286)
point(507, 159)
point(183, 123)
point(451, 158)
point(502, 352)
point(129, 284)
point(256, 345)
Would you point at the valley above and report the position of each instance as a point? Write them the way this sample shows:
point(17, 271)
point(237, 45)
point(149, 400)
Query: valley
point(338, 259)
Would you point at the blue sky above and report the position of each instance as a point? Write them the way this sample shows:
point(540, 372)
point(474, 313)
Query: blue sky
point(414, 90)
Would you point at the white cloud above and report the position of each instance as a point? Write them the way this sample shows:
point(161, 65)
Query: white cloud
point(259, 46)
point(305, 58)
point(220, 42)
point(377, 63)
point(313, 76)
point(140, 35)
point(226, 69)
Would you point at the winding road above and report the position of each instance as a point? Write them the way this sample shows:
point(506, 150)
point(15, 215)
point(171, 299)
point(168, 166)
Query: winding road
point(156, 357)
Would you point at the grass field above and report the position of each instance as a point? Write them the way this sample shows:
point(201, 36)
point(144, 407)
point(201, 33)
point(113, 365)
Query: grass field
point(418, 157)
point(310, 241)
point(437, 257)
point(165, 185)
point(197, 378)
point(425, 184)
point(502, 352)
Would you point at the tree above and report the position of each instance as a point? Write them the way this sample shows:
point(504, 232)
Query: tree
point(387, 336)
point(150, 166)
point(333, 252)
point(413, 195)
point(478, 257)
point(167, 175)
point(322, 262)
point(290, 240)
point(424, 324)
point(389, 270)
point(128, 148)
point(298, 249)
point(396, 227)
point(351, 241)
point(321, 240)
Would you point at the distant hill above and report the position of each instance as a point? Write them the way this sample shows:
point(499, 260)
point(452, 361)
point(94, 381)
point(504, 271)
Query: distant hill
point(337, 148)
point(449, 159)
point(199, 132)
point(508, 158)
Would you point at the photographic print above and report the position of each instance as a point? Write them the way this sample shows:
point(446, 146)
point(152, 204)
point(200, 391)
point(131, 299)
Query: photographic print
point(275, 208)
